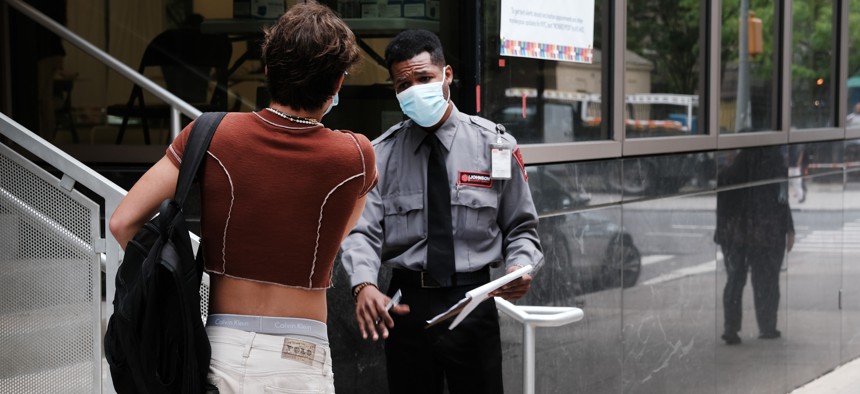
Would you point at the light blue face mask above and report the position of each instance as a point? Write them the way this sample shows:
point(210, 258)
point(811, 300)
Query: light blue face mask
point(333, 104)
point(425, 104)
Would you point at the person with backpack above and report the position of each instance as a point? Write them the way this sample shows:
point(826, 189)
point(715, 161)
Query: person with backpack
point(279, 192)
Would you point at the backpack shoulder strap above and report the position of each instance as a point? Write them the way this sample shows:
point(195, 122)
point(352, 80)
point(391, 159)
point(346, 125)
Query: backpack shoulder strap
point(195, 150)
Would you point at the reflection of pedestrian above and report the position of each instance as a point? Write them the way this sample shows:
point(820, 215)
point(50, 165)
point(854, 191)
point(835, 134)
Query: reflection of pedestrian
point(439, 218)
point(797, 161)
point(754, 229)
point(854, 117)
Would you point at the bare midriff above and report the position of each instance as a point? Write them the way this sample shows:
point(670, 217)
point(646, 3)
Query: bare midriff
point(244, 297)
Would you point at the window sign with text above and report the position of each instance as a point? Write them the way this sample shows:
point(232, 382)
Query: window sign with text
point(548, 29)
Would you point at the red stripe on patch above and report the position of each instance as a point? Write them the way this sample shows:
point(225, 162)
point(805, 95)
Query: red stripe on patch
point(519, 157)
point(477, 179)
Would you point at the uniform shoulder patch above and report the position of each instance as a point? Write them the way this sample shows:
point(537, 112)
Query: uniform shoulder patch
point(519, 157)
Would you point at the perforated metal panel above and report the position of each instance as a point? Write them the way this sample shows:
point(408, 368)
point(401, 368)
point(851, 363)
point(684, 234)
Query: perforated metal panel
point(204, 296)
point(49, 273)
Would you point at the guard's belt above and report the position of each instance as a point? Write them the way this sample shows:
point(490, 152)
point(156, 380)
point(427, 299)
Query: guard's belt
point(423, 279)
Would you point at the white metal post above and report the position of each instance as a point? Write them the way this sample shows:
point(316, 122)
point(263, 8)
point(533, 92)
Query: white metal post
point(528, 359)
point(533, 317)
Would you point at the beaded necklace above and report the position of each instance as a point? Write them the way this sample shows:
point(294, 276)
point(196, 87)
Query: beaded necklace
point(297, 119)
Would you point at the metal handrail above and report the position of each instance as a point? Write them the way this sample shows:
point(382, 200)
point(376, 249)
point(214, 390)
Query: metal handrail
point(71, 168)
point(73, 172)
point(46, 222)
point(177, 104)
point(533, 317)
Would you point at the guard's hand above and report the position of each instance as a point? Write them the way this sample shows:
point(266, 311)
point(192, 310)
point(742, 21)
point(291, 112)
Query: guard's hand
point(789, 241)
point(370, 308)
point(516, 289)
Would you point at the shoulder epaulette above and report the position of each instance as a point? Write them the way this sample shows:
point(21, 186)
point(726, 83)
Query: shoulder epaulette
point(391, 132)
point(490, 126)
point(493, 128)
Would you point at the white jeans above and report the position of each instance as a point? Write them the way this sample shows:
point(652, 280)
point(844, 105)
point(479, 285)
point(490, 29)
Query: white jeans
point(248, 362)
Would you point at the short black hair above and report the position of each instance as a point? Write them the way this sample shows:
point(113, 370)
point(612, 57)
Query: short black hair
point(411, 43)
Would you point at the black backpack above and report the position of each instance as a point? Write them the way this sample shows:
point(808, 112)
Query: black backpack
point(155, 340)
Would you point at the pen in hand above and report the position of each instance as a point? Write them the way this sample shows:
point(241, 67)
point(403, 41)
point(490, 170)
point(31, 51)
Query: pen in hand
point(394, 301)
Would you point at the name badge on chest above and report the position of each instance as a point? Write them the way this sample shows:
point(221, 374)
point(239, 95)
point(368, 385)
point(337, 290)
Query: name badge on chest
point(500, 153)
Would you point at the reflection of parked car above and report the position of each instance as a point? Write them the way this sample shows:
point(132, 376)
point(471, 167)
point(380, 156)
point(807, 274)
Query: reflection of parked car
point(583, 251)
point(662, 174)
point(534, 116)
point(557, 122)
point(557, 117)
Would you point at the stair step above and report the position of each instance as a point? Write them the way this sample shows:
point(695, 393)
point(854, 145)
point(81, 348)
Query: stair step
point(45, 339)
point(69, 379)
point(40, 283)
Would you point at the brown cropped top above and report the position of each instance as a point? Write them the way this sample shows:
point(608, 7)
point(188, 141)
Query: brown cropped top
point(277, 196)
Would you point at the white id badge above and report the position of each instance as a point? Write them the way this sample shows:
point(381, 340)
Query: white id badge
point(501, 165)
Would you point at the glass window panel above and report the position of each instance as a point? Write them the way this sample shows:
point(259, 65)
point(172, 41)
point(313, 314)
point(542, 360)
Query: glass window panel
point(541, 100)
point(812, 62)
point(813, 278)
point(669, 316)
point(662, 175)
point(851, 254)
point(853, 64)
point(588, 257)
point(662, 71)
point(748, 83)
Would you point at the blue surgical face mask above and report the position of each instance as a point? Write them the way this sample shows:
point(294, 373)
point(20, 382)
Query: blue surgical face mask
point(333, 104)
point(425, 104)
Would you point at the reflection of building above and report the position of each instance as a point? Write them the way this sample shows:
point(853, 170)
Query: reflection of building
point(639, 107)
point(761, 94)
point(675, 298)
point(582, 77)
point(578, 85)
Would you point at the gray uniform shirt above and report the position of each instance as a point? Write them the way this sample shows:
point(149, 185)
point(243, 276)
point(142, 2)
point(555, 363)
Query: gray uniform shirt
point(494, 220)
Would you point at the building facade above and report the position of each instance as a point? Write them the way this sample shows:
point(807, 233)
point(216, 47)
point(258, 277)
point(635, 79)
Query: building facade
point(689, 109)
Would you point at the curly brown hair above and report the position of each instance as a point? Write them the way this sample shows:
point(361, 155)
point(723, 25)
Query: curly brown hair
point(305, 53)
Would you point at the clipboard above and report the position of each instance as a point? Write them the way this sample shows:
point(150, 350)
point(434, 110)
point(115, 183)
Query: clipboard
point(474, 297)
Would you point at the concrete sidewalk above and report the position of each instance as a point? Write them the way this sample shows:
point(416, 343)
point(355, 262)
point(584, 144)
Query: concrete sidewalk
point(819, 197)
point(842, 380)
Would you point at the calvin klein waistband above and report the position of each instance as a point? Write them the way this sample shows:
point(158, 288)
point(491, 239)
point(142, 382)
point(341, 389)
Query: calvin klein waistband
point(271, 325)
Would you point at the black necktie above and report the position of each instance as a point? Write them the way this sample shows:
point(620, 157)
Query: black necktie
point(440, 241)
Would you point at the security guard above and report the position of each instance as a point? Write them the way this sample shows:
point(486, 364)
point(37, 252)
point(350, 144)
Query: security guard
point(439, 235)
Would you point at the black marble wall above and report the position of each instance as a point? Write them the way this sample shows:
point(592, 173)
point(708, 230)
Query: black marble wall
point(632, 242)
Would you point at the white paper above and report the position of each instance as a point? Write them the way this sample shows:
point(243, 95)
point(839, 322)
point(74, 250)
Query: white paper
point(475, 297)
point(548, 29)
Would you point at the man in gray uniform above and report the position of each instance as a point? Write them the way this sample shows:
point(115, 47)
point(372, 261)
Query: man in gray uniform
point(451, 201)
